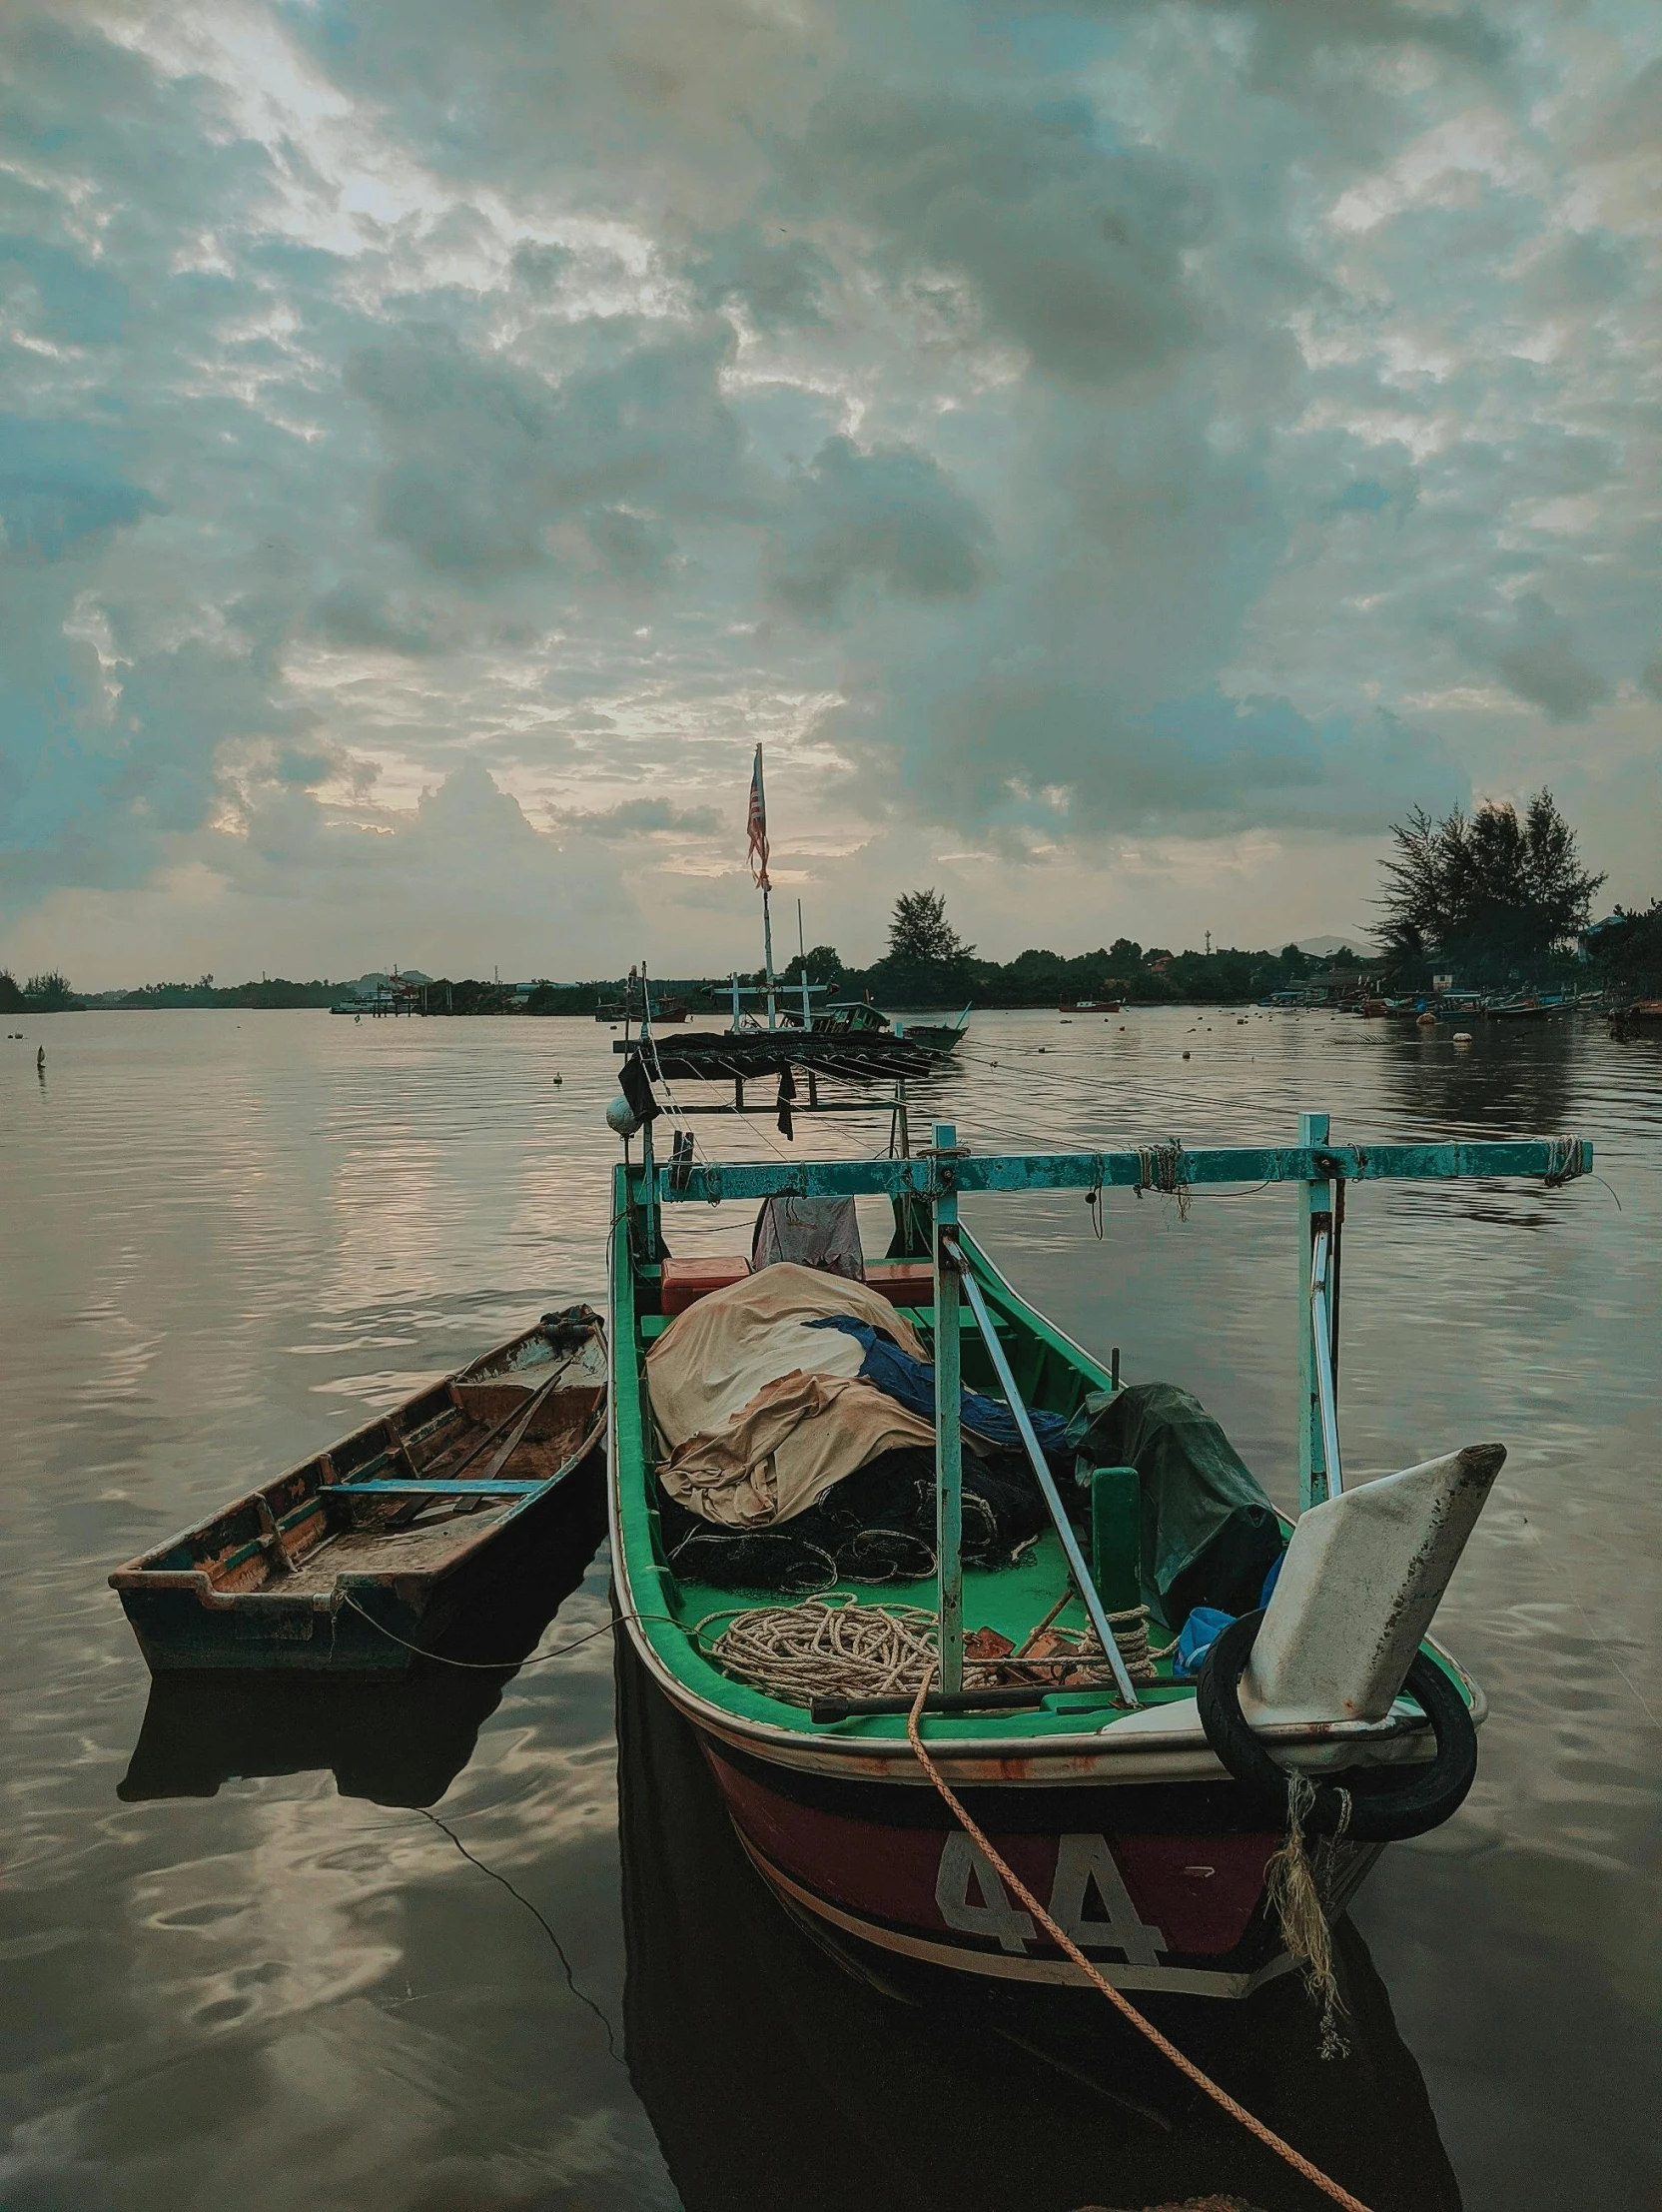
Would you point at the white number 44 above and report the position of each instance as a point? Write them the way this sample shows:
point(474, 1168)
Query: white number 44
point(1083, 1864)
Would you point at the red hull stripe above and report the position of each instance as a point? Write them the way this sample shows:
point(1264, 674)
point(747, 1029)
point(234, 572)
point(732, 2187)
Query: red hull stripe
point(1183, 1981)
point(1156, 1902)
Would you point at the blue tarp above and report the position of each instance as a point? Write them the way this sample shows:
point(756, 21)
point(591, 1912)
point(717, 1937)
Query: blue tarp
point(1206, 1623)
point(910, 1383)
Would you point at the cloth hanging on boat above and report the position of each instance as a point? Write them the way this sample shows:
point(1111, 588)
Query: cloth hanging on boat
point(1209, 1533)
point(810, 1232)
point(759, 1414)
point(636, 1086)
point(911, 1383)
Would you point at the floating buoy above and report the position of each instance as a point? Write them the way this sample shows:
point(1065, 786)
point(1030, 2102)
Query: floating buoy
point(1427, 1021)
point(560, 1079)
point(1462, 1036)
point(1185, 1055)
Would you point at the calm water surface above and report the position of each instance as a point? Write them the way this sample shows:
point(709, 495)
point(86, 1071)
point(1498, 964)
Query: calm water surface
point(242, 1962)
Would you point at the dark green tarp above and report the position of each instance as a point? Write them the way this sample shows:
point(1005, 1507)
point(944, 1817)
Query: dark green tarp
point(1210, 1534)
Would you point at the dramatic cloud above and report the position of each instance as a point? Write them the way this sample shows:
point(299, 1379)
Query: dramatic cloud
point(1140, 459)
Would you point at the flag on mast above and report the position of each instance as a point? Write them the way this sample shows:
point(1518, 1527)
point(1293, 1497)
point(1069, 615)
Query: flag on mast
point(758, 826)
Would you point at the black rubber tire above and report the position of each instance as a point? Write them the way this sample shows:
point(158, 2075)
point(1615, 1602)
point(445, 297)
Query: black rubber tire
point(1387, 1804)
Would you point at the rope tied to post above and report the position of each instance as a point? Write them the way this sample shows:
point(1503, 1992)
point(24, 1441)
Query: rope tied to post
point(1134, 1647)
point(1566, 1159)
point(1160, 1168)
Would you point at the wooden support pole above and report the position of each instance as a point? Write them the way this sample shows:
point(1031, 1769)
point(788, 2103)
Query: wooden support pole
point(949, 1436)
point(649, 1178)
point(1315, 1212)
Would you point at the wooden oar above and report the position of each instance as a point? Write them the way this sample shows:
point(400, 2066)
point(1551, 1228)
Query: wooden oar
point(516, 1414)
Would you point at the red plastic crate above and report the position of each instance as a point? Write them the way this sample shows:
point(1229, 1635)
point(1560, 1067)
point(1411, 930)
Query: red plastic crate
point(687, 1281)
point(903, 1282)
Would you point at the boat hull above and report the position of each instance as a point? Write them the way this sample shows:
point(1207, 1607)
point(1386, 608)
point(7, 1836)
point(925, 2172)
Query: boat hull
point(1160, 1886)
point(381, 1632)
point(332, 1568)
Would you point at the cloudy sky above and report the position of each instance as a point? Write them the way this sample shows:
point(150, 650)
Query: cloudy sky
point(1115, 456)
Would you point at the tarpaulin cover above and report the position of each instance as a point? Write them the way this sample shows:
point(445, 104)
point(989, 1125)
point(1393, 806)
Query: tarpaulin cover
point(1210, 1534)
point(912, 1382)
point(760, 1413)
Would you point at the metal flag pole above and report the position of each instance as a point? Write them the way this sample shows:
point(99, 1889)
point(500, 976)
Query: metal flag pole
point(758, 862)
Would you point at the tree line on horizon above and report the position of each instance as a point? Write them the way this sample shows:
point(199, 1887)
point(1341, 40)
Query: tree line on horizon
point(1490, 898)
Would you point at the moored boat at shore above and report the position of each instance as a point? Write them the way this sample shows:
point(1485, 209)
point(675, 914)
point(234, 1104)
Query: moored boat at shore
point(1138, 1790)
point(364, 1555)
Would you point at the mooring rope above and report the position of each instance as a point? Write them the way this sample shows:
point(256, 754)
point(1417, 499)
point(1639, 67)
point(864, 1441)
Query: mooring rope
point(1144, 2027)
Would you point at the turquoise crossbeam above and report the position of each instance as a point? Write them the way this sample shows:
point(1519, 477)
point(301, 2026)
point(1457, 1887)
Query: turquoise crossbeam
point(1154, 1167)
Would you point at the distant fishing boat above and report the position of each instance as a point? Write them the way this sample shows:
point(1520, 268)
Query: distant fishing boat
point(640, 1002)
point(367, 1554)
point(850, 1039)
point(858, 1018)
point(1100, 1704)
point(1089, 1006)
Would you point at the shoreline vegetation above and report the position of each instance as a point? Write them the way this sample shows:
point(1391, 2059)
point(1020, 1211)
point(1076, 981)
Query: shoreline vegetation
point(1487, 902)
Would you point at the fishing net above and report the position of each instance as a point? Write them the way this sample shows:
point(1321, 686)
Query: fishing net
point(875, 1525)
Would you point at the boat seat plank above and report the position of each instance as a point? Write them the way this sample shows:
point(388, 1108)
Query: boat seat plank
point(439, 1488)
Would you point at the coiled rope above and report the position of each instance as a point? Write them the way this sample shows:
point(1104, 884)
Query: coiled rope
point(824, 1650)
point(831, 1648)
point(1168, 2049)
point(1134, 1647)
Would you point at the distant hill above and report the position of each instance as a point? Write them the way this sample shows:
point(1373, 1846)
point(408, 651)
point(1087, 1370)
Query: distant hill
point(1323, 949)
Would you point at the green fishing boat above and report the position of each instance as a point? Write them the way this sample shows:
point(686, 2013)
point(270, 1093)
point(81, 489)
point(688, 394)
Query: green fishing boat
point(1088, 1654)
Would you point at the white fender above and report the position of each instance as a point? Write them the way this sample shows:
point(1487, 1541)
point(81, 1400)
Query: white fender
point(1361, 1578)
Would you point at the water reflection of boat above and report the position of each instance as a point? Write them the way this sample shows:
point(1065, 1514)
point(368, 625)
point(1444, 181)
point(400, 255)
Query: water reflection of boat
point(397, 1743)
point(773, 2074)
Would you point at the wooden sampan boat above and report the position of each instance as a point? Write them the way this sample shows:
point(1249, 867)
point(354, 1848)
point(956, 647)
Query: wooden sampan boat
point(1142, 1816)
point(367, 1554)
